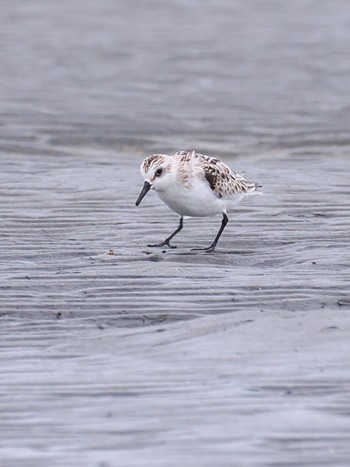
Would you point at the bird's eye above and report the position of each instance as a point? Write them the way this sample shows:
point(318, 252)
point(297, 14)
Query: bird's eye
point(158, 172)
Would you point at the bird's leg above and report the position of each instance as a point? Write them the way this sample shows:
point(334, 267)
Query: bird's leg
point(167, 240)
point(213, 245)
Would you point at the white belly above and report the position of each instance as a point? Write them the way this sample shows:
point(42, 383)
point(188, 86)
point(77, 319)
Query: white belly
point(197, 201)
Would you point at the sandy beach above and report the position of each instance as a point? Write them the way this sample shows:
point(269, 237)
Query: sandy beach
point(117, 354)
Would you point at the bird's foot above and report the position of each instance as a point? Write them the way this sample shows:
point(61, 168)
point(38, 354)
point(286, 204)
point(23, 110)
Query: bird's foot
point(159, 245)
point(209, 249)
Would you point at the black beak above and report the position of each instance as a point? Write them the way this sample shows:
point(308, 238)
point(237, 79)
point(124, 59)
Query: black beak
point(145, 189)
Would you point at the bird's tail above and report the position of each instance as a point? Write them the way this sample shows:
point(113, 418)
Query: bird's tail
point(256, 189)
point(253, 188)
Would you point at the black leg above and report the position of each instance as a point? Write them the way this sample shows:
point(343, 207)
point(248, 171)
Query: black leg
point(167, 240)
point(213, 245)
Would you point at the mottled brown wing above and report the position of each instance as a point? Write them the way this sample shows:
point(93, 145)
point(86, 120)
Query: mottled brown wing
point(224, 181)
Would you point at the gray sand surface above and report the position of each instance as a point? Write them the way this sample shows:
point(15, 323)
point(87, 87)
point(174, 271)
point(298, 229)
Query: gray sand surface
point(116, 354)
point(261, 380)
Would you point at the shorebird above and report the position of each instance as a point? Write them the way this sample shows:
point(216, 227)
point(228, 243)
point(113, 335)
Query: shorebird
point(194, 185)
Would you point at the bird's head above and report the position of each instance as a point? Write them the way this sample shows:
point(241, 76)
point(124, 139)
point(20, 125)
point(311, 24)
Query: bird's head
point(156, 171)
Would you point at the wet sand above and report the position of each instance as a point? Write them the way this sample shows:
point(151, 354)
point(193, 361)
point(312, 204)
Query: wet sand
point(116, 354)
point(94, 369)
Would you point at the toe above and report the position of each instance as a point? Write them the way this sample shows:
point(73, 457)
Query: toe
point(209, 249)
